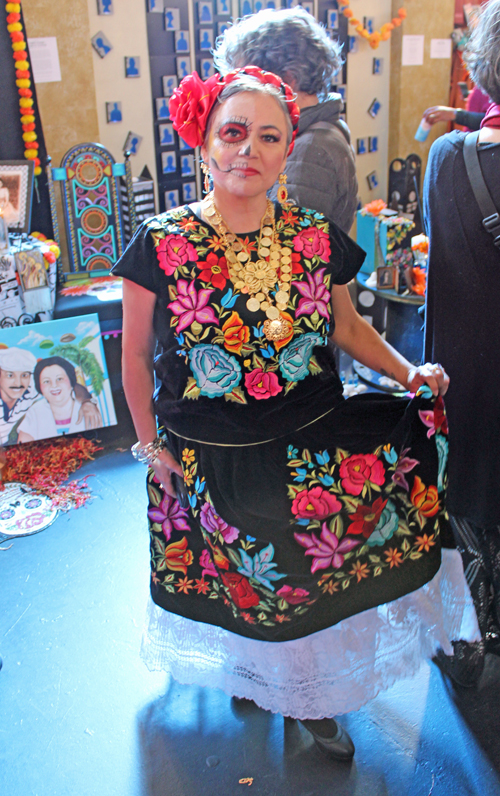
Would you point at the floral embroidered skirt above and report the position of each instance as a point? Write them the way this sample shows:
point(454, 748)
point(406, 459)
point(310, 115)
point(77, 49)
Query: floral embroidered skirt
point(284, 539)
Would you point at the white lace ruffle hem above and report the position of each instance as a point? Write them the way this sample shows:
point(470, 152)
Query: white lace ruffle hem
point(334, 671)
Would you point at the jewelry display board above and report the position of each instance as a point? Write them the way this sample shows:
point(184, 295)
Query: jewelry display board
point(181, 36)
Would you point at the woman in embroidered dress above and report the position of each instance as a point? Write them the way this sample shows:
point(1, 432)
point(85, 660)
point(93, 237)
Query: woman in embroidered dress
point(310, 542)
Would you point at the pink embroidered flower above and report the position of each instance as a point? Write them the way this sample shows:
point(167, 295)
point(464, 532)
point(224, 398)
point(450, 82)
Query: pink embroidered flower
point(190, 305)
point(404, 465)
point(435, 419)
point(261, 385)
point(170, 515)
point(315, 504)
point(208, 565)
point(293, 596)
point(173, 251)
point(215, 524)
point(359, 469)
point(313, 241)
point(316, 295)
point(327, 550)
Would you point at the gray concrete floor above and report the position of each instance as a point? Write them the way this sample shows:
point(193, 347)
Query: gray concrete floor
point(80, 715)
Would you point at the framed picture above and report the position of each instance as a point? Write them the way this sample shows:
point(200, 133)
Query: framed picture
point(187, 165)
point(183, 66)
point(207, 68)
point(114, 112)
point(205, 13)
point(378, 66)
point(369, 24)
point(101, 44)
point(246, 7)
point(372, 180)
point(132, 66)
point(361, 146)
point(373, 143)
point(168, 164)
point(132, 143)
point(171, 199)
point(166, 134)
point(63, 364)
point(387, 277)
point(181, 41)
point(374, 108)
point(183, 145)
point(224, 8)
point(206, 39)
point(189, 191)
point(104, 7)
point(155, 5)
point(16, 193)
point(169, 83)
point(222, 27)
point(308, 6)
point(172, 19)
point(332, 19)
point(353, 44)
point(162, 111)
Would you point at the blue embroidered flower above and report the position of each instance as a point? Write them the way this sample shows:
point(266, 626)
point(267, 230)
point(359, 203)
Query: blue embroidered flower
point(292, 452)
point(385, 527)
point(260, 567)
point(442, 449)
point(294, 359)
point(215, 371)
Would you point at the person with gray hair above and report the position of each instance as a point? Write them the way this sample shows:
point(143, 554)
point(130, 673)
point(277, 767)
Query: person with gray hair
point(321, 170)
point(463, 300)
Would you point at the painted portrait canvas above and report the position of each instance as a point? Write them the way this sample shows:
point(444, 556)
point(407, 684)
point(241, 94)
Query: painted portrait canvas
point(53, 380)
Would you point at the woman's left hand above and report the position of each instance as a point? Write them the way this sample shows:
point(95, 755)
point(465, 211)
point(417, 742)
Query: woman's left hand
point(433, 375)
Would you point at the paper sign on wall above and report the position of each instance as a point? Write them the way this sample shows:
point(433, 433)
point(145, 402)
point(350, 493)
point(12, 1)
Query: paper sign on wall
point(45, 59)
point(440, 48)
point(413, 51)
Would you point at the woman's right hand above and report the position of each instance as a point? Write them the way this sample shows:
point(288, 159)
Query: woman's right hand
point(164, 465)
point(439, 113)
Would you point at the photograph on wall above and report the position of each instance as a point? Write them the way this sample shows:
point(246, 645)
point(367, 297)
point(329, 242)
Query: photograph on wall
point(53, 380)
point(224, 8)
point(16, 193)
point(132, 66)
point(172, 19)
point(170, 83)
point(205, 15)
point(132, 143)
point(206, 39)
point(187, 165)
point(104, 7)
point(166, 133)
point(168, 163)
point(114, 112)
point(171, 199)
point(189, 191)
point(207, 68)
point(182, 41)
point(162, 111)
point(101, 44)
point(183, 66)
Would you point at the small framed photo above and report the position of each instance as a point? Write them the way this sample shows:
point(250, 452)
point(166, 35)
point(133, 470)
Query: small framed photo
point(342, 90)
point(132, 143)
point(373, 143)
point(307, 5)
point(172, 19)
point(361, 146)
point(104, 7)
point(369, 24)
point(183, 145)
point(189, 191)
point(246, 8)
point(132, 66)
point(387, 277)
point(377, 66)
point(101, 44)
point(222, 27)
point(166, 133)
point(353, 44)
point(169, 83)
point(187, 165)
point(271, 4)
point(168, 164)
point(155, 5)
point(171, 199)
point(162, 111)
point(224, 8)
point(374, 108)
point(332, 19)
point(205, 13)
point(181, 41)
point(207, 68)
point(372, 180)
point(16, 193)
point(206, 39)
point(183, 66)
point(114, 112)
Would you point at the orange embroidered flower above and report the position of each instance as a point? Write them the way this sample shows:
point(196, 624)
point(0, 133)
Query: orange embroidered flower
point(215, 243)
point(280, 343)
point(248, 618)
point(282, 618)
point(220, 560)
point(331, 587)
point(202, 586)
point(188, 224)
point(178, 557)
point(235, 333)
point(425, 499)
point(187, 456)
point(184, 585)
point(155, 578)
point(425, 542)
point(393, 557)
point(360, 570)
point(288, 217)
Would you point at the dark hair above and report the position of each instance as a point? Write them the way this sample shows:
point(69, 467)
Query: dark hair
point(46, 363)
point(482, 52)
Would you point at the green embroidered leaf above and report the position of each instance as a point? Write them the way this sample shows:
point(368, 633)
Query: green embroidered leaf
point(374, 559)
point(170, 589)
point(161, 566)
point(265, 591)
point(247, 348)
point(258, 362)
point(345, 583)
point(314, 368)
point(340, 455)
point(237, 395)
point(314, 524)
point(306, 456)
point(205, 333)
point(295, 462)
point(293, 490)
point(364, 549)
point(234, 557)
point(415, 554)
point(156, 527)
point(405, 546)
point(159, 546)
point(262, 615)
point(377, 571)
point(213, 596)
point(336, 526)
point(282, 605)
point(192, 390)
point(351, 503)
point(289, 386)
point(269, 624)
point(403, 529)
point(339, 575)
point(154, 495)
point(169, 578)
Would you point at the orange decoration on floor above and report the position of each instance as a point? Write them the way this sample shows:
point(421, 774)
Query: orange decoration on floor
point(377, 36)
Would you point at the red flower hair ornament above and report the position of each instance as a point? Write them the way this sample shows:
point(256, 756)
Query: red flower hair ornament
point(192, 101)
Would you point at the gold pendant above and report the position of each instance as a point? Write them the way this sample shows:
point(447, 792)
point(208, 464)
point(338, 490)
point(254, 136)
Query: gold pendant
point(277, 329)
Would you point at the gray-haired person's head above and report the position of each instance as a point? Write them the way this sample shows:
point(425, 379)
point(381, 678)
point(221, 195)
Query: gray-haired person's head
point(482, 53)
point(289, 43)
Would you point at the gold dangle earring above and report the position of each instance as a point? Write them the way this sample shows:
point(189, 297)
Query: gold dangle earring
point(206, 181)
point(282, 193)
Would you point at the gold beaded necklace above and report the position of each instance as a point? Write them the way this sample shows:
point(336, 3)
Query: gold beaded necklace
point(272, 269)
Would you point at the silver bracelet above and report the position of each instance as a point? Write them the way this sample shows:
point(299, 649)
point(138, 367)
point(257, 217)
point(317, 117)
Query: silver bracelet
point(148, 454)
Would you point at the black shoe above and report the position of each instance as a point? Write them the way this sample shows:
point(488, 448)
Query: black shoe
point(330, 737)
point(466, 666)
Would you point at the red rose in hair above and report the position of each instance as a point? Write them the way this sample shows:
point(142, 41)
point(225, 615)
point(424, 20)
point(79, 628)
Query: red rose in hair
point(190, 106)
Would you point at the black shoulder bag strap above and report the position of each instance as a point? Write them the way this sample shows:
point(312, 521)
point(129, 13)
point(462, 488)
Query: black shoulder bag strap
point(491, 218)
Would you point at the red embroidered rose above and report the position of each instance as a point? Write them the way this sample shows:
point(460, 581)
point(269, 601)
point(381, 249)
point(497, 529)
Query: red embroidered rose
point(425, 499)
point(235, 333)
point(262, 385)
point(173, 251)
point(357, 470)
point(365, 518)
point(242, 594)
point(214, 270)
point(440, 419)
point(315, 504)
point(296, 266)
point(313, 241)
point(190, 107)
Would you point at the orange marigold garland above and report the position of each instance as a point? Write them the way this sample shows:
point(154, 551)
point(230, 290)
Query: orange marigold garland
point(23, 83)
point(45, 465)
point(377, 36)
